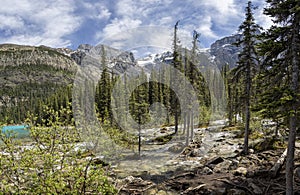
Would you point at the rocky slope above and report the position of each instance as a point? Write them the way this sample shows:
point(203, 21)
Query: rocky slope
point(18, 55)
point(115, 60)
point(224, 52)
point(27, 64)
point(28, 73)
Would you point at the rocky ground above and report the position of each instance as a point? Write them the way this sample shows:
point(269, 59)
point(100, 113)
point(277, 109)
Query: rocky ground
point(221, 169)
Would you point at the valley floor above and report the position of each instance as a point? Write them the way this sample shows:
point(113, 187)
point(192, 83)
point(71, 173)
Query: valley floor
point(219, 170)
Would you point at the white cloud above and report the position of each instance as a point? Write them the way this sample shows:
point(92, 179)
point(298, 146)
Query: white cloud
point(223, 8)
point(38, 22)
point(96, 11)
point(11, 22)
point(60, 23)
point(139, 8)
point(220, 11)
point(117, 26)
point(141, 38)
point(206, 27)
point(262, 19)
point(38, 40)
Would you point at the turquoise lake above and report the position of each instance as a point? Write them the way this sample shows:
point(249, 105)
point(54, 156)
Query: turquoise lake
point(19, 131)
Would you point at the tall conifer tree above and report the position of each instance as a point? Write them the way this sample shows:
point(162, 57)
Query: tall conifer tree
point(247, 63)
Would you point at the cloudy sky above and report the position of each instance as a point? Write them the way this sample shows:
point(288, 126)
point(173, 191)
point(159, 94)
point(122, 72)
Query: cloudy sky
point(68, 23)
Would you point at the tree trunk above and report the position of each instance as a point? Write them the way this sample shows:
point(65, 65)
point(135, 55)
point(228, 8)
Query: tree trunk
point(247, 109)
point(176, 120)
point(192, 126)
point(168, 117)
point(230, 109)
point(139, 140)
point(293, 119)
point(188, 129)
point(184, 122)
point(277, 128)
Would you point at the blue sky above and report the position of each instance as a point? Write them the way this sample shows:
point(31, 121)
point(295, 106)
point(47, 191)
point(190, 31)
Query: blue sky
point(68, 23)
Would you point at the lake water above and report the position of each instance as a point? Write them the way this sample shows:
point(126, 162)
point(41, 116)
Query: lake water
point(19, 131)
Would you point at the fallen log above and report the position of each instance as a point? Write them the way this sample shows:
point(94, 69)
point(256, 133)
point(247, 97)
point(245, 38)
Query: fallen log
point(278, 165)
point(193, 189)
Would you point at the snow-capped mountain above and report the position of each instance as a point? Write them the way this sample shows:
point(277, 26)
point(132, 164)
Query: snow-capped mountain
point(220, 53)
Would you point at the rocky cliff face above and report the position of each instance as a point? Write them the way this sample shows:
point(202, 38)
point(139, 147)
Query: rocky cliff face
point(115, 60)
point(221, 52)
point(21, 65)
point(224, 52)
point(17, 55)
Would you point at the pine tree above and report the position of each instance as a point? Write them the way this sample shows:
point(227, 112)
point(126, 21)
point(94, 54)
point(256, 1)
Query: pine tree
point(103, 90)
point(104, 95)
point(174, 81)
point(228, 88)
point(153, 88)
point(139, 104)
point(165, 91)
point(247, 62)
point(280, 49)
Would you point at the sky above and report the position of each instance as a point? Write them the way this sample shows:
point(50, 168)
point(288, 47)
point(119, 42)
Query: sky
point(124, 24)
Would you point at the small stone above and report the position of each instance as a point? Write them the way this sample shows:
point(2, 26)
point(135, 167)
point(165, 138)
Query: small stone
point(176, 148)
point(255, 188)
point(129, 179)
point(220, 191)
point(152, 191)
point(241, 171)
point(163, 130)
point(223, 166)
point(161, 192)
point(195, 153)
point(207, 171)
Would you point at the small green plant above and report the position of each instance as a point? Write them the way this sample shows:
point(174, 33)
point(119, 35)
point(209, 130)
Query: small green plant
point(255, 126)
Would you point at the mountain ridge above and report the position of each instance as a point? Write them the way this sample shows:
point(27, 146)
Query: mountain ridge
point(220, 53)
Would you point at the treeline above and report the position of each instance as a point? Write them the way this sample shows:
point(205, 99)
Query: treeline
point(135, 98)
point(27, 88)
point(31, 99)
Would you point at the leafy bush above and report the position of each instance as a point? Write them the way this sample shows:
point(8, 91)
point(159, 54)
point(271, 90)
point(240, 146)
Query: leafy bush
point(50, 163)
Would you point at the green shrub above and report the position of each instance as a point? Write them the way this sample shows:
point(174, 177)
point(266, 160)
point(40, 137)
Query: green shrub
point(49, 163)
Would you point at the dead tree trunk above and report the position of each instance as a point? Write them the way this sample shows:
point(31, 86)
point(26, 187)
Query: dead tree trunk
point(278, 165)
point(192, 126)
point(188, 129)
